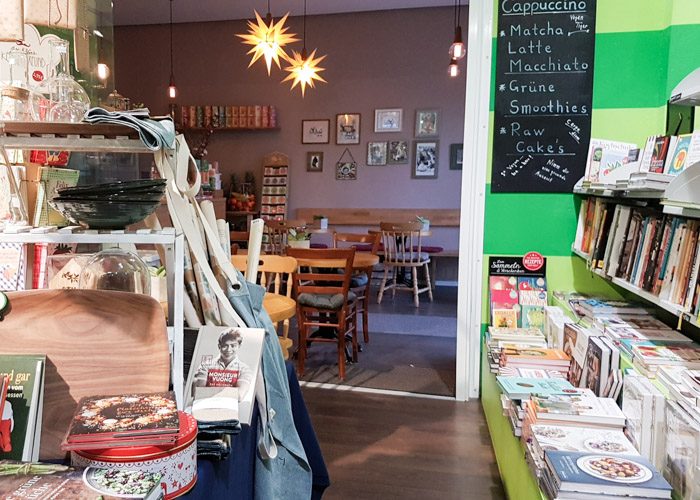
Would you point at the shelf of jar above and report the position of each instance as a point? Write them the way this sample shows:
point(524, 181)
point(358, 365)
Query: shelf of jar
point(70, 137)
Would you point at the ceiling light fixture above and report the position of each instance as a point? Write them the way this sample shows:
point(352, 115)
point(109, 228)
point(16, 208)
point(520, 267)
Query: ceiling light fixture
point(304, 69)
point(268, 39)
point(457, 50)
point(172, 90)
point(453, 68)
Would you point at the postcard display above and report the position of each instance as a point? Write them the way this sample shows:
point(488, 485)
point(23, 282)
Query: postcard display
point(544, 89)
point(518, 291)
point(275, 191)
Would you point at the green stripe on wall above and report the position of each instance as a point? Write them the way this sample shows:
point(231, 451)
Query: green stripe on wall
point(615, 16)
point(629, 69)
point(628, 125)
point(685, 12)
point(517, 223)
point(564, 274)
point(683, 52)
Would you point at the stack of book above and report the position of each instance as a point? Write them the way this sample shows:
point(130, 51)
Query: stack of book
point(644, 406)
point(647, 356)
point(554, 321)
point(499, 337)
point(665, 157)
point(123, 420)
point(590, 475)
point(682, 450)
point(534, 358)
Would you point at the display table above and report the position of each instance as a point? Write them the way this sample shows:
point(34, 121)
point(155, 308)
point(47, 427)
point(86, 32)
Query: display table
point(234, 478)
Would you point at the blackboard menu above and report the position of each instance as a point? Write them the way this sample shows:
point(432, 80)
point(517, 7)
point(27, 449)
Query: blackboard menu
point(544, 90)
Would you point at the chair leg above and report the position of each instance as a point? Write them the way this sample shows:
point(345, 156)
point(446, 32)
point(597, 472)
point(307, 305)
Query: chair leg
point(301, 348)
point(414, 275)
point(355, 346)
point(393, 282)
point(365, 307)
point(382, 285)
point(427, 278)
point(341, 347)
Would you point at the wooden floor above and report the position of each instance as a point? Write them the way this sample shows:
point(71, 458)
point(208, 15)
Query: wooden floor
point(386, 447)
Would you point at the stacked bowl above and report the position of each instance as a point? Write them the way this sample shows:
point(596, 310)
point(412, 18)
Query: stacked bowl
point(113, 205)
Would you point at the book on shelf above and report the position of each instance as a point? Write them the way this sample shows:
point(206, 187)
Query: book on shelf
point(590, 439)
point(522, 388)
point(659, 151)
point(539, 357)
point(13, 266)
point(224, 359)
point(123, 420)
point(597, 366)
point(644, 406)
point(578, 370)
point(604, 474)
point(593, 307)
point(582, 407)
point(503, 294)
point(678, 154)
point(22, 411)
point(45, 481)
point(605, 155)
point(537, 373)
point(682, 451)
point(50, 181)
point(554, 323)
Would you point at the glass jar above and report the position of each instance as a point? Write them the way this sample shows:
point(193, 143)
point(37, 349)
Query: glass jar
point(69, 101)
point(16, 99)
point(116, 269)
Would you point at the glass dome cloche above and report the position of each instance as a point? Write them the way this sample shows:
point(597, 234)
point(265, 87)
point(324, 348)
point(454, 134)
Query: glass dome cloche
point(116, 269)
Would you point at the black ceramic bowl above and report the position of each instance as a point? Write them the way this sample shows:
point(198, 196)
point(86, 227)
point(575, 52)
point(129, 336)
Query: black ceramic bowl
point(124, 196)
point(139, 186)
point(104, 214)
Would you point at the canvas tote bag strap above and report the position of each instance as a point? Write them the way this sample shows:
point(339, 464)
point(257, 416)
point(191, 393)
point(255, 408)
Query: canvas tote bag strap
point(267, 447)
point(180, 195)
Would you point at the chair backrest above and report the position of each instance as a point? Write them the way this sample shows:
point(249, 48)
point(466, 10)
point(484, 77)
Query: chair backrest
point(276, 231)
point(401, 241)
point(274, 271)
point(358, 241)
point(239, 239)
point(317, 270)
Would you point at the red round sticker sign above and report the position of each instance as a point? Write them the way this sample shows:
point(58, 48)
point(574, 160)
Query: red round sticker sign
point(532, 261)
point(37, 76)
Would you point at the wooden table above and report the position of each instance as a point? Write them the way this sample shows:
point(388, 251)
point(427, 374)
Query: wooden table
point(362, 260)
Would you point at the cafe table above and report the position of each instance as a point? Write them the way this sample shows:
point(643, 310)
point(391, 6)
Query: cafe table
point(362, 260)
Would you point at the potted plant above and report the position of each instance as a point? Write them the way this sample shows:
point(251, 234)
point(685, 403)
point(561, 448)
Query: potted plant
point(298, 237)
point(424, 221)
point(322, 221)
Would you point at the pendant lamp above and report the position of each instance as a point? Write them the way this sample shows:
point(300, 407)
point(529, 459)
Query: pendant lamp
point(268, 39)
point(304, 69)
point(172, 90)
point(453, 68)
point(457, 49)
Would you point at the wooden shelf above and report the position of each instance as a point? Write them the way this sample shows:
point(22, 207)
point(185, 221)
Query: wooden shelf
point(226, 129)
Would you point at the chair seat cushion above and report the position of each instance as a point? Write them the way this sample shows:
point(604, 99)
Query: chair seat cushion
point(358, 280)
point(318, 245)
point(429, 249)
point(363, 248)
point(324, 301)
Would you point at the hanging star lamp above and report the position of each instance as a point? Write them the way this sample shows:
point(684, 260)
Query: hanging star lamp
point(268, 39)
point(304, 69)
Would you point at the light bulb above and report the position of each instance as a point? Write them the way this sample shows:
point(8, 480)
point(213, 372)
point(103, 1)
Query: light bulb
point(172, 91)
point(457, 50)
point(453, 68)
point(102, 71)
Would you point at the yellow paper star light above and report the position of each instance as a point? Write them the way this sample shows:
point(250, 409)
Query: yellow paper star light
point(268, 40)
point(304, 70)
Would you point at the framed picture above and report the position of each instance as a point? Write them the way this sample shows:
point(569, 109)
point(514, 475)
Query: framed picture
point(397, 152)
point(388, 120)
point(346, 171)
point(376, 153)
point(456, 152)
point(427, 122)
point(425, 160)
point(315, 131)
point(314, 161)
point(347, 128)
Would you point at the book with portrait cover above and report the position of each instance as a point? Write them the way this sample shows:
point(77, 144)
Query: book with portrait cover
point(123, 420)
point(221, 380)
point(21, 418)
point(44, 481)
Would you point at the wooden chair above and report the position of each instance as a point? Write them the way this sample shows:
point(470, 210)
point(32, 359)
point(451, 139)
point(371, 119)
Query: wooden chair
point(360, 282)
point(276, 231)
point(239, 239)
point(324, 300)
point(275, 275)
point(403, 249)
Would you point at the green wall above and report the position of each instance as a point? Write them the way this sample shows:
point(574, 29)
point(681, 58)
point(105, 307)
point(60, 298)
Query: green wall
point(643, 49)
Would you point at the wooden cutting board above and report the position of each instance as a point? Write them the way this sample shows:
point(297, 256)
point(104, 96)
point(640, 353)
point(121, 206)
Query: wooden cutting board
point(96, 342)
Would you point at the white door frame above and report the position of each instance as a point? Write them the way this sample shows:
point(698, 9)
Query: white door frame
point(474, 166)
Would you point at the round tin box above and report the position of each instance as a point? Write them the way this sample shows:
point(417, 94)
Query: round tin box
point(177, 463)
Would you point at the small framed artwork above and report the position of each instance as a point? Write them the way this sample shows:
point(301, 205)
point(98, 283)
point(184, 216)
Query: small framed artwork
point(388, 120)
point(376, 153)
point(346, 171)
point(347, 128)
point(397, 152)
point(314, 161)
point(315, 131)
point(456, 153)
point(425, 162)
point(427, 122)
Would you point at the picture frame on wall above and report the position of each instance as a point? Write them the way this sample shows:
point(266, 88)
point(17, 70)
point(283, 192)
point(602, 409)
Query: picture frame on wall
point(425, 160)
point(388, 120)
point(346, 171)
point(314, 161)
point(456, 154)
point(347, 128)
point(315, 131)
point(427, 122)
point(397, 152)
point(376, 153)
